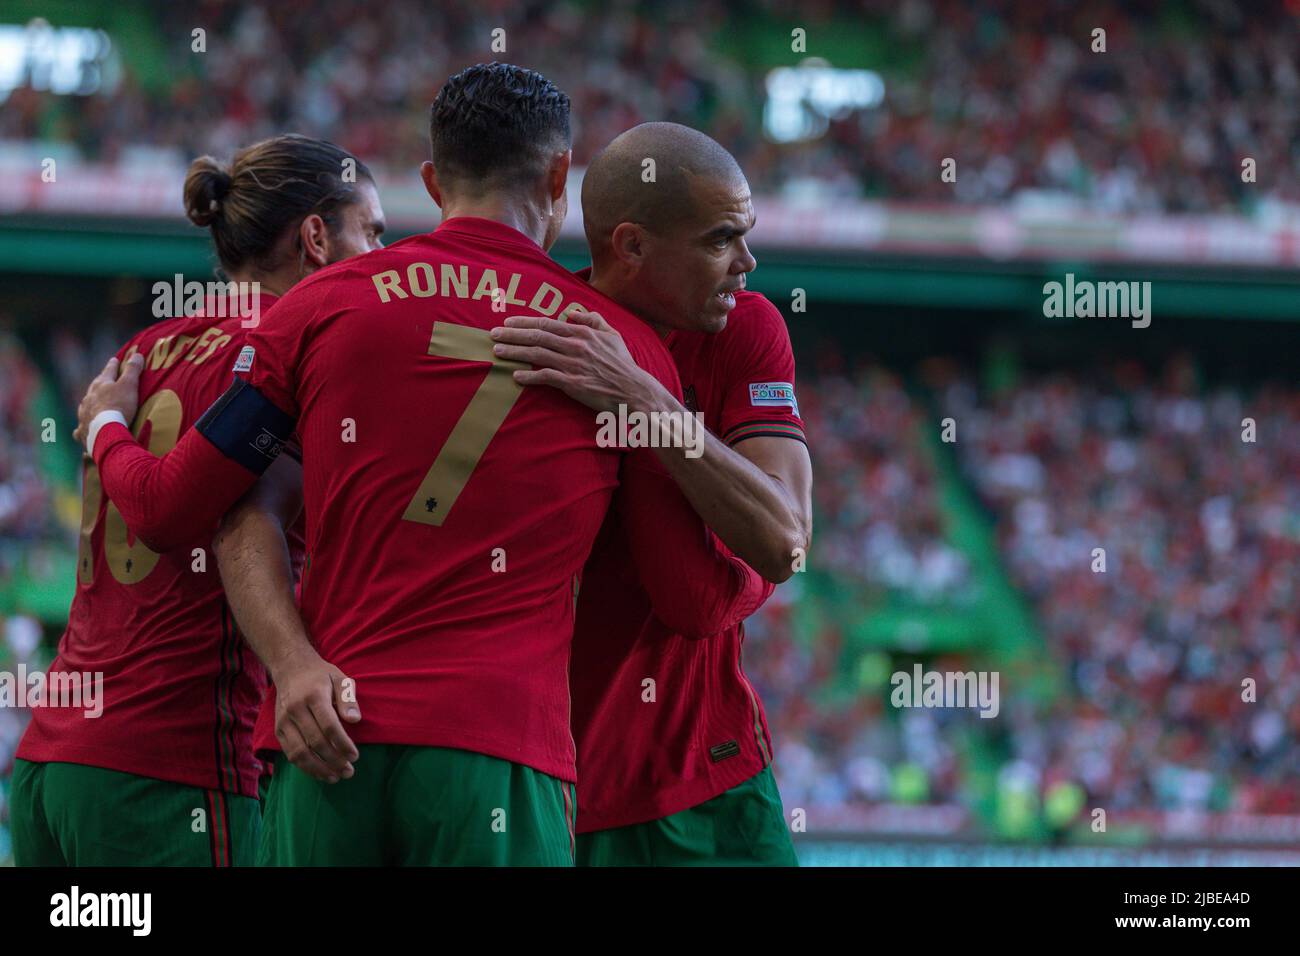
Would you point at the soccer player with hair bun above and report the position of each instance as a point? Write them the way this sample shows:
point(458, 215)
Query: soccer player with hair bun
point(181, 690)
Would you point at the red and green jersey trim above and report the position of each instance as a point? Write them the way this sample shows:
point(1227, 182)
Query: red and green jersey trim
point(219, 835)
point(228, 777)
point(764, 429)
point(570, 794)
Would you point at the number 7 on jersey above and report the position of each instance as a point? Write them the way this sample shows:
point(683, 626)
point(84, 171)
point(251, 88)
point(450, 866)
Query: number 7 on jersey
point(484, 414)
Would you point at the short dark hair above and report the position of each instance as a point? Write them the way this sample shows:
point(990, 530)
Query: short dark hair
point(498, 124)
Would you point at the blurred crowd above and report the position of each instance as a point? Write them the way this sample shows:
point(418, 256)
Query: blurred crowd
point(840, 745)
point(879, 523)
point(24, 491)
point(1013, 92)
point(25, 521)
point(1156, 527)
point(880, 536)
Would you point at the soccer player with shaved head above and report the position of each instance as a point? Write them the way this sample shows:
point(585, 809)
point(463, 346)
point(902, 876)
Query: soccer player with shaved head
point(684, 776)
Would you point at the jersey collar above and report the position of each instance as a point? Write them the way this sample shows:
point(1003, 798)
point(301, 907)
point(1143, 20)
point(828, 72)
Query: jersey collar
point(486, 229)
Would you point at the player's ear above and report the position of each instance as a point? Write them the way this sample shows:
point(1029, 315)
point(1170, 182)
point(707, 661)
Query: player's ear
point(628, 244)
point(313, 239)
point(557, 174)
point(559, 211)
point(430, 177)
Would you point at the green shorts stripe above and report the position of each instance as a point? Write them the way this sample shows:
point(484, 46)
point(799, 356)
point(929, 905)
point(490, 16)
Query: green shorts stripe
point(219, 814)
point(66, 814)
point(569, 793)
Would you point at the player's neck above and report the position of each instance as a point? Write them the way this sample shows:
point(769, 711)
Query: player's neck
point(519, 214)
point(271, 283)
point(604, 282)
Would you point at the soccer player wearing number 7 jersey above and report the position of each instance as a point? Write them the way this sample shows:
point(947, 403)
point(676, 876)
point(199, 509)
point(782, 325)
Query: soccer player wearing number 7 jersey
point(166, 774)
point(449, 511)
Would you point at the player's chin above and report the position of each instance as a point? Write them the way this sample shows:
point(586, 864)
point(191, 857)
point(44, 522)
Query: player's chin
point(719, 307)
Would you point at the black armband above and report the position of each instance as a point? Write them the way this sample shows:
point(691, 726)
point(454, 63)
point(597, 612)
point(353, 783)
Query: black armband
point(246, 427)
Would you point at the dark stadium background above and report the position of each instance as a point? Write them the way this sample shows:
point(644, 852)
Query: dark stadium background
point(909, 300)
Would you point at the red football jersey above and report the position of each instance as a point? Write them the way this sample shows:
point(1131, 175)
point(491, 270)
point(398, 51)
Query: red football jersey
point(646, 751)
point(181, 690)
point(449, 510)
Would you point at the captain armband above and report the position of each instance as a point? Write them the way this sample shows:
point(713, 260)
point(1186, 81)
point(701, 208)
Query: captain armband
point(246, 427)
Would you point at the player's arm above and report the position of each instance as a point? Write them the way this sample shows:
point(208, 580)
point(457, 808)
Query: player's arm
point(167, 501)
point(257, 575)
point(761, 506)
point(757, 496)
point(696, 586)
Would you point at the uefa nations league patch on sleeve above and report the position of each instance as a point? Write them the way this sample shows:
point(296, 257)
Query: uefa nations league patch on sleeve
point(245, 360)
point(773, 394)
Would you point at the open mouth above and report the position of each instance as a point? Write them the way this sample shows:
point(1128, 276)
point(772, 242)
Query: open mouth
point(728, 299)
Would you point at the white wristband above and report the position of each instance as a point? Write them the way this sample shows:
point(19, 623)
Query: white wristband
point(98, 422)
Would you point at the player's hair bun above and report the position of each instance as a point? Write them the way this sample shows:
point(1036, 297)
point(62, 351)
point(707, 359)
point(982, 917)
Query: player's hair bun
point(206, 185)
point(251, 202)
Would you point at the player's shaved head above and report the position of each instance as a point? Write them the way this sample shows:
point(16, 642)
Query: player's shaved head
point(619, 185)
point(666, 210)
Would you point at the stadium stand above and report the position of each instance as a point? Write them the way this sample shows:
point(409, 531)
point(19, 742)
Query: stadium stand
point(1159, 123)
point(1199, 527)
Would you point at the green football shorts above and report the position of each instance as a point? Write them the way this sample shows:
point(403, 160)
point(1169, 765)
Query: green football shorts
point(419, 806)
point(745, 826)
point(68, 814)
